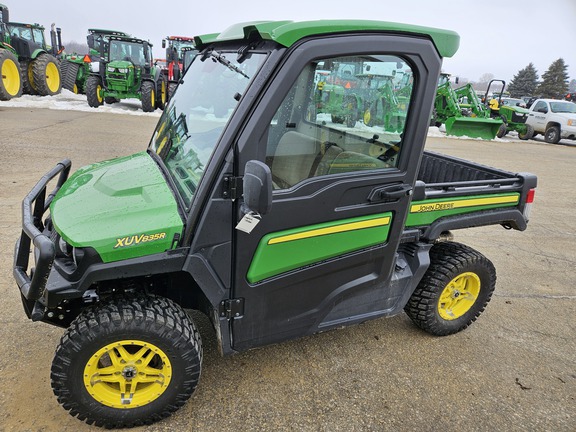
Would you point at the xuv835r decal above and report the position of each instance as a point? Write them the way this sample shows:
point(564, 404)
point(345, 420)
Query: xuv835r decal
point(283, 251)
point(426, 212)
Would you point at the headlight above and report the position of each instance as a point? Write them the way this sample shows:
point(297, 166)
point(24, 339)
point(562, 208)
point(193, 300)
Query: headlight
point(110, 69)
point(572, 122)
point(123, 70)
point(63, 247)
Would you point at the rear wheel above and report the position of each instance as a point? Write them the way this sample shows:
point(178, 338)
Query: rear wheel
point(127, 362)
point(351, 110)
point(27, 77)
point(454, 290)
point(94, 91)
point(552, 135)
point(10, 79)
point(529, 133)
point(47, 78)
point(171, 89)
point(148, 96)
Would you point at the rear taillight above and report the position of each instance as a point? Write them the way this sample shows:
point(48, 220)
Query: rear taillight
point(529, 201)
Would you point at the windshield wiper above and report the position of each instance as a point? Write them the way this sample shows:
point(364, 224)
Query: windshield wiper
point(223, 60)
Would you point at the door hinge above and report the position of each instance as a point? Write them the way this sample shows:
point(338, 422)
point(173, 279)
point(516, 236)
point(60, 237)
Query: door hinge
point(232, 187)
point(231, 309)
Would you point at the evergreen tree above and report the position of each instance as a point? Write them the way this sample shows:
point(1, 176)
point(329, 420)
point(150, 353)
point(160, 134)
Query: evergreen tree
point(524, 82)
point(554, 83)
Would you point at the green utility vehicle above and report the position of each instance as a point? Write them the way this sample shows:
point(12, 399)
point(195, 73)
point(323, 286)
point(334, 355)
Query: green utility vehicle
point(76, 68)
point(127, 71)
point(513, 117)
point(273, 223)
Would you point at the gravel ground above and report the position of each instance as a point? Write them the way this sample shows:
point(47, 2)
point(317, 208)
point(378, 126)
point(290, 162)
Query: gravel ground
point(513, 370)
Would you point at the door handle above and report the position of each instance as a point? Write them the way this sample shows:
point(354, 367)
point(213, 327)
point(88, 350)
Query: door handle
point(390, 193)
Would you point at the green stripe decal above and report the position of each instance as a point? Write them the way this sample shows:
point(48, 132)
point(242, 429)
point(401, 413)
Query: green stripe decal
point(283, 251)
point(426, 212)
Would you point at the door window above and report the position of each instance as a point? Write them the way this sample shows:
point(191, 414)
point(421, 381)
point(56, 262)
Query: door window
point(342, 115)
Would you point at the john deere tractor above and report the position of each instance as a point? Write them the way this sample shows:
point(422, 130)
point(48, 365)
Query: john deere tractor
point(10, 80)
point(514, 117)
point(40, 68)
point(76, 67)
point(127, 71)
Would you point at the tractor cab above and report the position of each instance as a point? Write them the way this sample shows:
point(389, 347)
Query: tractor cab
point(175, 48)
point(98, 41)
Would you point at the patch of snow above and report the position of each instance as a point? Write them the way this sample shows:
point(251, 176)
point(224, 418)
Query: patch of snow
point(69, 101)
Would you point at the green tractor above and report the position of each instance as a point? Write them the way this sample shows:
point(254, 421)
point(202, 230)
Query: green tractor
point(10, 80)
point(382, 105)
point(471, 119)
point(76, 68)
point(127, 71)
point(514, 117)
point(38, 63)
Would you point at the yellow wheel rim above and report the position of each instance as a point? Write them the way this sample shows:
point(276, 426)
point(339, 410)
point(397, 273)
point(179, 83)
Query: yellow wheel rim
point(127, 374)
point(99, 94)
point(367, 116)
point(52, 77)
point(459, 296)
point(153, 99)
point(10, 77)
point(75, 89)
point(163, 95)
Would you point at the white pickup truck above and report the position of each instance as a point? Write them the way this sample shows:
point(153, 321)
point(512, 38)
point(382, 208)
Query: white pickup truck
point(555, 119)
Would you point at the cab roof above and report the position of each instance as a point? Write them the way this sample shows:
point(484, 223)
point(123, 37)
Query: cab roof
point(286, 33)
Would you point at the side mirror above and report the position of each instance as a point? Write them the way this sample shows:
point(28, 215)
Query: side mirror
point(543, 110)
point(163, 43)
point(257, 187)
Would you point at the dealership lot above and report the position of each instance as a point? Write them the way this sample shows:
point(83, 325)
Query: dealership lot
point(514, 369)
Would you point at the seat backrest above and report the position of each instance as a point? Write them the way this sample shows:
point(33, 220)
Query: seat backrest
point(294, 158)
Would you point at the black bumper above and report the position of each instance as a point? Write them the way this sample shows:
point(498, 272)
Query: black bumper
point(34, 206)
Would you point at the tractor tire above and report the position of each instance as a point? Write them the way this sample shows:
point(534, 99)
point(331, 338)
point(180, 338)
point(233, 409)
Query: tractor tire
point(552, 135)
point(94, 91)
point(351, 109)
point(171, 89)
point(129, 361)
point(162, 93)
point(148, 96)
point(69, 71)
point(502, 130)
point(10, 79)
point(528, 134)
point(47, 77)
point(454, 290)
point(27, 78)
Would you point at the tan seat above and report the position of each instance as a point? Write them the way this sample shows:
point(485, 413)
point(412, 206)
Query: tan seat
point(294, 158)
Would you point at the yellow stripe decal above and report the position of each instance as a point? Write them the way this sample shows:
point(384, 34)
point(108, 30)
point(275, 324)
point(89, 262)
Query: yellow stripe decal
point(332, 230)
point(449, 205)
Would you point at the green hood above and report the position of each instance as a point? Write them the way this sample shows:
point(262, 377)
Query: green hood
point(122, 208)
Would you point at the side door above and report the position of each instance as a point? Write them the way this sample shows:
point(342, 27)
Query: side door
point(343, 169)
point(539, 115)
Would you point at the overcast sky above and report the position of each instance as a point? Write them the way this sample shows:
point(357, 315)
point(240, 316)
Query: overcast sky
point(498, 37)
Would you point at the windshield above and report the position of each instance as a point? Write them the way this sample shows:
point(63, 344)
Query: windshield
point(190, 126)
point(128, 51)
point(563, 107)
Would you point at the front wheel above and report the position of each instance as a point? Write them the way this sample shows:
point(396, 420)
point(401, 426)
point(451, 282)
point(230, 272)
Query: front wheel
point(527, 134)
point(94, 91)
point(148, 96)
point(454, 290)
point(552, 135)
point(127, 362)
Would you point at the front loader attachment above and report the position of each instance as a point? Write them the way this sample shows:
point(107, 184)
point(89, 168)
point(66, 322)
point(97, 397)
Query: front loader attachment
point(473, 127)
